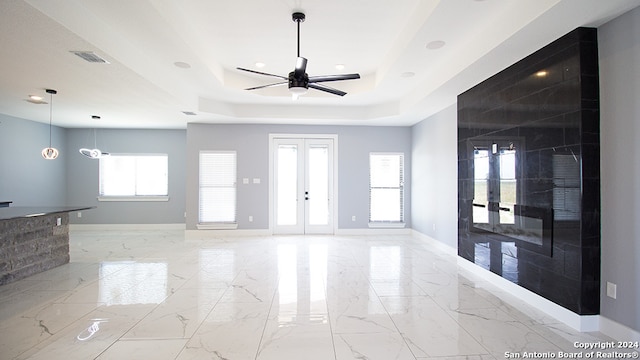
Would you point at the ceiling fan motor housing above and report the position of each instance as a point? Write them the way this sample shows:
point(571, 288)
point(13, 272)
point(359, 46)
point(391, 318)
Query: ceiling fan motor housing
point(302, 81)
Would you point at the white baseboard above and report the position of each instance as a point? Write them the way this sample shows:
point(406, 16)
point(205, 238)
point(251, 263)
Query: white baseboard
point(374, 231)
point(618, 331)
point(124, 227)
point(435, 243)
point(204, 234)
point(581, 323)
point(215, 234)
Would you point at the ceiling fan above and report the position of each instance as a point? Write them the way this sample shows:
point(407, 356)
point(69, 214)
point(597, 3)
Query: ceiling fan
point(298, 80)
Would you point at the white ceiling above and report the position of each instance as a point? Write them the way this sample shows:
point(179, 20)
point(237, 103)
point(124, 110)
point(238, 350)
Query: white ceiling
point(382, 40)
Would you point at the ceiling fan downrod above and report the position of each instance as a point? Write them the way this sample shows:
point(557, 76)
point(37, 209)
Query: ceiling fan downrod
point(298, 17)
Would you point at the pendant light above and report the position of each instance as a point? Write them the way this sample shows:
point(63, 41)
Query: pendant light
point(94, 153)
point(50, 153)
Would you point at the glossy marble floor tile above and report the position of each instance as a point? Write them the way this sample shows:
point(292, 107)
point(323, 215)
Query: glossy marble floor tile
point(157, 295)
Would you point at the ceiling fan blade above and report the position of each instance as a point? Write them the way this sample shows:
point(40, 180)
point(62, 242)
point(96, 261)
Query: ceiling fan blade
point(328, 89)
point(263, 73)
point(324, 78)
point(268, 85)
point(301, 67)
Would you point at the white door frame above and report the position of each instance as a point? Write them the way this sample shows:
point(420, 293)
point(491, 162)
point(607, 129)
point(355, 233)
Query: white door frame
point(333, 137)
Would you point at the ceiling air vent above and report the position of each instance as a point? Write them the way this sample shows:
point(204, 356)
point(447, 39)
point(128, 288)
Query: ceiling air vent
point(90, 56)
point(190, 113)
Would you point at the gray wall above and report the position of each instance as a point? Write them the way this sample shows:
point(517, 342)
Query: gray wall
point(252, 144)
point(82, 178)
point(619, 46)
point(434, 183)
point(26, 178)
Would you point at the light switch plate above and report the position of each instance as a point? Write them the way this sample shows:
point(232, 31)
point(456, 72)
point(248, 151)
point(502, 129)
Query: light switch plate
point(612, 290)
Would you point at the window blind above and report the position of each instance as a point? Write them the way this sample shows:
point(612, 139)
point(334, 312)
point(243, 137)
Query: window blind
point(134, 175)
point(386, 187)
point(217, 203)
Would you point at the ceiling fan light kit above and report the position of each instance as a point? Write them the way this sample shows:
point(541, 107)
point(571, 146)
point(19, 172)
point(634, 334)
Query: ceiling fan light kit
point(298, 80)
point(94, 153)
point(91, 153)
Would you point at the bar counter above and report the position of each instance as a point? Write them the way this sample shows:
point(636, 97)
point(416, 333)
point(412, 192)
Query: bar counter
point(33, 240)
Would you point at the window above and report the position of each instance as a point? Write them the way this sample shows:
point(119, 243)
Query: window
point(134, 177)
point(217, 203)
point(386, 189)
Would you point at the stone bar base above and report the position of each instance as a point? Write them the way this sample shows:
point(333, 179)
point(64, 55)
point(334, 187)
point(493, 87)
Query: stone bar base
point(31, 245)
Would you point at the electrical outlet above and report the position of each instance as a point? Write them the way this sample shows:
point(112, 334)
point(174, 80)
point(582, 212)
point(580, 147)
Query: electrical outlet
point(353, 218)
point(79, 214)
point(612, 290)
point(250, 218)
point(58, 221)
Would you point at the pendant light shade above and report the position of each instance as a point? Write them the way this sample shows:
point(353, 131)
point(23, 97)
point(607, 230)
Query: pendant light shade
point(50, 153)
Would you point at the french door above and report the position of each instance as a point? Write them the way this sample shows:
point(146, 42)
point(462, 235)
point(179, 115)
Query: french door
point(303, 180)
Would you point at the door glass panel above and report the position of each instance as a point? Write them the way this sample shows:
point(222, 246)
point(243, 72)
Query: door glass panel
point(287, 175)
point(507, 186)
point(481, 180)
point(318, 167)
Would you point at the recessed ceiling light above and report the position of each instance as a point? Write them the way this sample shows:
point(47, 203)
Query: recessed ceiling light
point(408, 74)
point(340, 66)
point(436, 44)
point(36, 99)
point(541, 73)
point(260, 64)
point(182, 65)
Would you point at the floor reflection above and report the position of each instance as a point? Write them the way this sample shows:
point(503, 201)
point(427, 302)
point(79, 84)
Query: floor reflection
point(130, 282)
point(302, 270)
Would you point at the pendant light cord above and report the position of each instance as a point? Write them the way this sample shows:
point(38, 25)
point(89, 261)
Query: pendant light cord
point(50, 116)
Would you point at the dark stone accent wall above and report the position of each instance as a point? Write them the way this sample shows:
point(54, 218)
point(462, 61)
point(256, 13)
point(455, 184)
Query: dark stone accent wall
point(551, 122)
point(31, 245)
